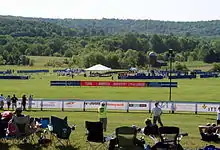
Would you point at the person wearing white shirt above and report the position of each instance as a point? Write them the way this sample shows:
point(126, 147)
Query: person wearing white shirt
point(157, 112)
point(218, 116)
point(2, 101)
point(30, 99)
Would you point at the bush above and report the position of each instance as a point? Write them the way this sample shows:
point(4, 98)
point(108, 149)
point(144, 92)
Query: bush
point(180, 67)
point(216, 67)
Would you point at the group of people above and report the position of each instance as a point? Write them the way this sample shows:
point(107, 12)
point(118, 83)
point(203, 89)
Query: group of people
point(13, 101)
point(156, 113)
point(8, 123)
point(211, 132)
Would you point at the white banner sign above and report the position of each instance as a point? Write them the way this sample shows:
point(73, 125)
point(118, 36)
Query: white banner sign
point(92, 105)
point(117, 105)
point(52, 104)
point(208, 107)
point(163, 105)
point(185, 107)
point(138, 106)
point(73, 104)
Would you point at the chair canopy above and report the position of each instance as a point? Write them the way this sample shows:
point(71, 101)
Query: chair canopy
point(60, 127)
point(126, 138)
point(169, 134)
point(95, 132)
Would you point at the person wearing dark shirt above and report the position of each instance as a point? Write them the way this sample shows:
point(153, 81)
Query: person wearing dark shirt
point(150, 129)
point(24, 101)
point(14, 100)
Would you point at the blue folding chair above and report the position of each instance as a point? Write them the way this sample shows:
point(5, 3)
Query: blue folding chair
point(44, 122)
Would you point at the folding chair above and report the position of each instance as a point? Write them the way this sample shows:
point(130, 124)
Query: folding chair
point(61, 130)
point(170, 138)
point(23, 129)
point(127, 139)
point(95, 136)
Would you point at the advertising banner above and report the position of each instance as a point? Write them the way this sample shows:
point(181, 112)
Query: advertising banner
point(52, 104)
point(110, 105)
point(115, 84)
point(163, 105)
point(207, 107)
point(185, 107)
point(92, 105)
point(138, 106)
point(117, 105)
point(73, 104)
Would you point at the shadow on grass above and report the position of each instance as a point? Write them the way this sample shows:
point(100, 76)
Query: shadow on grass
point(4, 146)
point(69, 147)
point(28, 146)
point(211, 119)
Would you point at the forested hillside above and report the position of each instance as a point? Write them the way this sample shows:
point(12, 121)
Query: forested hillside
point(21, 37)
point(115, 26)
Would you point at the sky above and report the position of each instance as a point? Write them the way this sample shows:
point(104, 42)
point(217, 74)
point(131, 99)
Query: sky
point(172, 10)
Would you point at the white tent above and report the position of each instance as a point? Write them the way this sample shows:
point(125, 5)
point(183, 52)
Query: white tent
point(98, 67)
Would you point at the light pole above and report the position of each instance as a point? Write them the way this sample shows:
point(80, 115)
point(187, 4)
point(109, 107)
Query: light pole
point(171, 56)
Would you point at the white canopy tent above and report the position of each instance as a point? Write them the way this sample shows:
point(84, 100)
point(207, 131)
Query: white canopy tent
point(98, 67)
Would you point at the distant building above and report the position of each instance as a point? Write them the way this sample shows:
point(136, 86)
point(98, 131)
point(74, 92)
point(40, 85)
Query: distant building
point(154, 62)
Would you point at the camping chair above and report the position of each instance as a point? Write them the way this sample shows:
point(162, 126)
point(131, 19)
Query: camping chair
point(60, 130)
point(43, 123)
point(127, 139)
point(170, 138)
point(95, 135)
point(23, 129)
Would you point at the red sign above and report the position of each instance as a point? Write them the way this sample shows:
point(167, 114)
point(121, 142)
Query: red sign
point(111, 83)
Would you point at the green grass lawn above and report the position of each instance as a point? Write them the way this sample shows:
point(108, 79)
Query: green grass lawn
point(190, 125)
point(39, 86)
point(188, 90)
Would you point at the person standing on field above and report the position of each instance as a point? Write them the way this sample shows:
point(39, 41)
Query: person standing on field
point(102, 110)
point(2, 101)
point(23, 102)
point(8, 100)
point(218, 116)
point(30, 99)
point(157, 112)
point(14, 100)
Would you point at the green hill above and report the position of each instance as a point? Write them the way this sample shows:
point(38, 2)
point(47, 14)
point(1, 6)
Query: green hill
point(107, 26)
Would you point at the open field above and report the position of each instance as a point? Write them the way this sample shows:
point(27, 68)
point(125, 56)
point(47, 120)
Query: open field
point(40, 61)
point(190, 125)
point(188, 90)
point(198, 65)
point(39, 86)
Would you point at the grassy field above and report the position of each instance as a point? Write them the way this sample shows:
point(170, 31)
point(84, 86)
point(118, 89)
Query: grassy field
point(115, 120)
point(188, 90)
point(39, 86)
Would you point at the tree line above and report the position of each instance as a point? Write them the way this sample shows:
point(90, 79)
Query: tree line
point(23, 37)
point(119, 51)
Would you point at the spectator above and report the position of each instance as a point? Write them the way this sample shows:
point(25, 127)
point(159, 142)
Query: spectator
point(14, 100)
point(218, 116)
point(8, 100)
point(150, 129)
point(157, 112)
point(102, 110)
point(24, 102)
point(18, 112)
point(209, 132)
point(1, 101)
point(30, 99)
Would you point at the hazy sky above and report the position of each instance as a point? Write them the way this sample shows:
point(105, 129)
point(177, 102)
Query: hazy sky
point(175, 10)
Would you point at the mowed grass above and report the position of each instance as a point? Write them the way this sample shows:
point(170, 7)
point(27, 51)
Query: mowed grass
point(188, 90)
point(187, 123)
point(39, 86)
